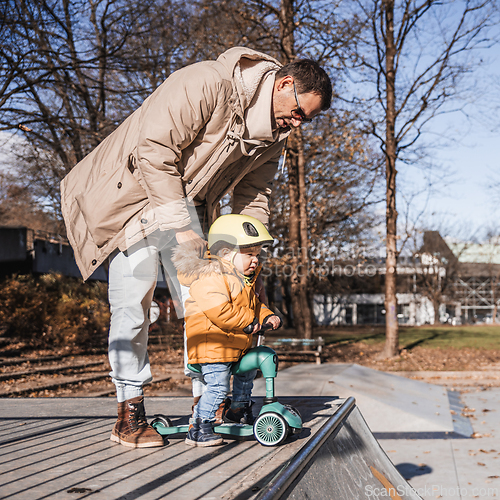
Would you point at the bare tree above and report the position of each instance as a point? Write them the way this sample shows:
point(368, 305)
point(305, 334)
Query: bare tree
point(417, 55)
point(18, 208)
point(74, 70)
point(342, 182)
point(436, 268)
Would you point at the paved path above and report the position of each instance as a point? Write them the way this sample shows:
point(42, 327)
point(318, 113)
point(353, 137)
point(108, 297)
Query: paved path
point(458, 379)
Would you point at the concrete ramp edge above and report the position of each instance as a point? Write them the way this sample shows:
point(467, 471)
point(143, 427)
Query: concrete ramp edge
point(342, 460)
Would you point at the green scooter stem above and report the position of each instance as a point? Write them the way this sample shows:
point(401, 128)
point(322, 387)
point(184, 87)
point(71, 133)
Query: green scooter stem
point(261, 358)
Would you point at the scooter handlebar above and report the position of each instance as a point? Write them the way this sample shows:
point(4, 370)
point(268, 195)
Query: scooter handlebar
point(263, 328)
point(268, 326)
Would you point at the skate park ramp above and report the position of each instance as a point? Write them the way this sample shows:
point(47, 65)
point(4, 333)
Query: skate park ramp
point(59, 448)
point(342, 461)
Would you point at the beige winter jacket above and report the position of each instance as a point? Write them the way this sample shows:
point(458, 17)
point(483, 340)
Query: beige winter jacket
point(187, 139)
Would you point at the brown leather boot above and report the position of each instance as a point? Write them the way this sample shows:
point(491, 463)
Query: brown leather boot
point(131, 428)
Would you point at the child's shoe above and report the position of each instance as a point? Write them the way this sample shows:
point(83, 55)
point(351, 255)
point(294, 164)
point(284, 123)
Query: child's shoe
point(240, 413)
point(202, 434)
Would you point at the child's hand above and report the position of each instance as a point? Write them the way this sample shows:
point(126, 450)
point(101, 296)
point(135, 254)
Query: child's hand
point(274, 320)
point(256, 328)
point(252, 328)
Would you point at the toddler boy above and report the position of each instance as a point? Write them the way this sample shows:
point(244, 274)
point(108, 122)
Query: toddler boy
point(221, 315)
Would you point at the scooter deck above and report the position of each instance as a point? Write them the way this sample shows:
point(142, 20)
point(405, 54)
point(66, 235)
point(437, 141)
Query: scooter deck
point(238, 430)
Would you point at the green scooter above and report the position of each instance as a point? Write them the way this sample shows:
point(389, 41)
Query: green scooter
point(275, 421)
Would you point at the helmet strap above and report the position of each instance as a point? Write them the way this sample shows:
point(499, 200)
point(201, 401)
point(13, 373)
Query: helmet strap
point(230, 255)
point(233, 255)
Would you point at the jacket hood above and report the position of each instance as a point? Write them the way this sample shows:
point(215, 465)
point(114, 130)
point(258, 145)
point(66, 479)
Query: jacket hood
point(191, 266)
point(247, 67)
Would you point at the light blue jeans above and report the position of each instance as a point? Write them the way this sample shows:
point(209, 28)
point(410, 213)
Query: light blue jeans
point(216, 377)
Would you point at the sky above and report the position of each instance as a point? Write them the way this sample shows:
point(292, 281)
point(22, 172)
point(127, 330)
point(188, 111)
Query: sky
point(462, 205)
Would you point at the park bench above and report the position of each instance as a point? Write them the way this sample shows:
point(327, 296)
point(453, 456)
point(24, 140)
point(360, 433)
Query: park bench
point(287, 348)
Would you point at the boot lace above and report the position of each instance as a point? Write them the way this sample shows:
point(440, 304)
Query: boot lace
point(137, 416)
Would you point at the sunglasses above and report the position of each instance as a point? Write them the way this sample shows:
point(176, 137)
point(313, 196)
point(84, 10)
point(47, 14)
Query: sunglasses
point(298, 113)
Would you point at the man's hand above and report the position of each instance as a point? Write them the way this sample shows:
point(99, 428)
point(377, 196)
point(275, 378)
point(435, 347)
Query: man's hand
point(275, 321)
point(186, 234)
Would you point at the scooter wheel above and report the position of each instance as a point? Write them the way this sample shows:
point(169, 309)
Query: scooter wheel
point(270, 429)
point(160, 421)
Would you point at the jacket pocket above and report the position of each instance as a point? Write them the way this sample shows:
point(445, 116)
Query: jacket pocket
point(110, 203)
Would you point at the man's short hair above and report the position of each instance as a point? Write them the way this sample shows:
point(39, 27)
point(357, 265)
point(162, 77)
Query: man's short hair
point(309, 77)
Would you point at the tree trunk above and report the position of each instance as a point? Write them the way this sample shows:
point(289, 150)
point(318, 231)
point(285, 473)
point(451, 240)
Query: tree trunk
point(297, 224)
point(298, 236)
point(493, 284)
point(294, 235)
point(304, 239)
point(435, 305)
point(391, 347)
point(287, 27)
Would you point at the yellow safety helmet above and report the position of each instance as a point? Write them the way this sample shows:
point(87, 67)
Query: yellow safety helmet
point(237, 230)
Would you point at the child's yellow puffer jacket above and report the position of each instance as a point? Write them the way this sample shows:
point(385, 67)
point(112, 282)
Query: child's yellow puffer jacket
point(219, 307)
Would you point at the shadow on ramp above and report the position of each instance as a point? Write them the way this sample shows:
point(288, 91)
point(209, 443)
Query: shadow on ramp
point(342, 461)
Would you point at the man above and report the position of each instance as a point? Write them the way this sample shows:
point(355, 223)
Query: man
point(211, 127)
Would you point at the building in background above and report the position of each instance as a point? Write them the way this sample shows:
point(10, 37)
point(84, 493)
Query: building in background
point(444, 282)
point(28, 251)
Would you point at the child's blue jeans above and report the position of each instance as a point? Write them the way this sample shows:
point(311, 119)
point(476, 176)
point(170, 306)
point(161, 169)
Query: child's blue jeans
point(217, 377)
